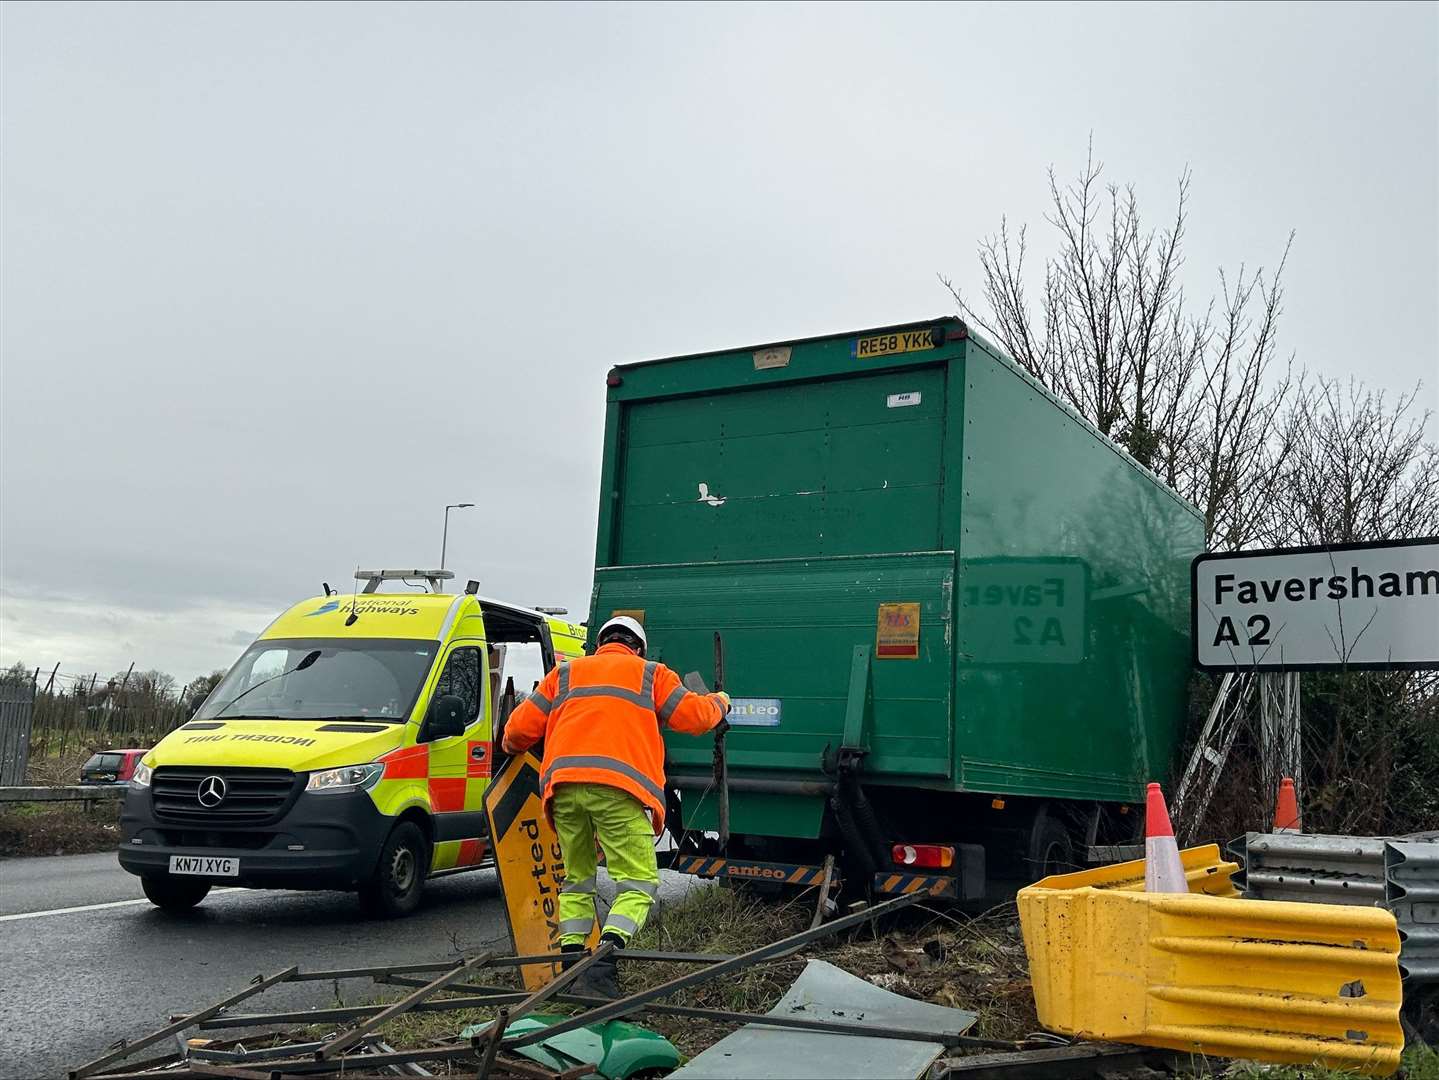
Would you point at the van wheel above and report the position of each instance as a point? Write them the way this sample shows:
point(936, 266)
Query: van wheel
point(1051, 850)
point(174, 894)
point(395, 888)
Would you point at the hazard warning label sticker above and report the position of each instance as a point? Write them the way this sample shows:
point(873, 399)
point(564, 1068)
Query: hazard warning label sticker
point(897, 637)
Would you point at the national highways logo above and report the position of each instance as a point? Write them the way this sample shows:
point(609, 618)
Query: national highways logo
point(324, 609)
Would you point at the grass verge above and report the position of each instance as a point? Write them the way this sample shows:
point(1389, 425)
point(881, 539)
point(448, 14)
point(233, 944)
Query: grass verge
point(58, 829)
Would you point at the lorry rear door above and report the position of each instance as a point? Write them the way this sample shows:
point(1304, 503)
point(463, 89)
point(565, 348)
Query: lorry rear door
point(797, 519)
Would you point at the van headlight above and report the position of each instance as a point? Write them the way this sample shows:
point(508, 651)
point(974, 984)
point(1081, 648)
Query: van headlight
point(141, 776)
point(348, 778)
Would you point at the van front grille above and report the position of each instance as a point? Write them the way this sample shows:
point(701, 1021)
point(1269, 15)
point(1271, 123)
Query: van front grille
point(187, 795)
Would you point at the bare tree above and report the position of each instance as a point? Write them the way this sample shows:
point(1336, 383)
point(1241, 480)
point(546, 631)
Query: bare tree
point(1358, 469)
point(198, 689)
point(1194, 395)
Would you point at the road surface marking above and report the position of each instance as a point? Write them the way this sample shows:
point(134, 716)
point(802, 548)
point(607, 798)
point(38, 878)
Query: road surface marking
point(91, 907)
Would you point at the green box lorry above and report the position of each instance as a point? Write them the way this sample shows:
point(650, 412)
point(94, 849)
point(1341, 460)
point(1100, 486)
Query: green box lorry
point(955, 617)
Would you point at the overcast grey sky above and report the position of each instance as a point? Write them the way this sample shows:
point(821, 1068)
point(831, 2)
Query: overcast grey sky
point(279, 281)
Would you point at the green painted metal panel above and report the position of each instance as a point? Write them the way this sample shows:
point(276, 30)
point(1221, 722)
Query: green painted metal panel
point(752, 814)
point(821, 468)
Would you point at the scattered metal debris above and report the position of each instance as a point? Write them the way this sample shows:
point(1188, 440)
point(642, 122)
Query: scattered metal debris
point(358, 1050)
point(825, 992)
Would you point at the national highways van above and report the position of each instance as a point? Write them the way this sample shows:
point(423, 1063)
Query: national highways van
point(348, 748)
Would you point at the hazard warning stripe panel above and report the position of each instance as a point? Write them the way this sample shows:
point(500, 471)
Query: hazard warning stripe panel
point(903, 884)
point(745, 870)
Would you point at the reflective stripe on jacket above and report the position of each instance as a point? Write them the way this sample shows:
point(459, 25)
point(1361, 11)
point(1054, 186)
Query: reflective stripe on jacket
point(600, 718)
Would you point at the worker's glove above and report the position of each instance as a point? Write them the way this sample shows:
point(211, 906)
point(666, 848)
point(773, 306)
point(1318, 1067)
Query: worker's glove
point(724, 701)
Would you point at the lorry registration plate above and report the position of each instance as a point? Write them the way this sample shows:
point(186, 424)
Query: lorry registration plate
point(204, 865)
point(901, 341)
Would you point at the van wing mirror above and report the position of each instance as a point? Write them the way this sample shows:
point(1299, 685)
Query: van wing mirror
point(447, 717)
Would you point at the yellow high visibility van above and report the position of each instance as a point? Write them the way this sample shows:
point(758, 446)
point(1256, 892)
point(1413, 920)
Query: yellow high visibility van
point(348, 748)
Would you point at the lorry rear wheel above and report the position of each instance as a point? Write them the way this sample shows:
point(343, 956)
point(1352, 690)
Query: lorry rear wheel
point(174, 894)
point(1051, 850)
point(399, 878)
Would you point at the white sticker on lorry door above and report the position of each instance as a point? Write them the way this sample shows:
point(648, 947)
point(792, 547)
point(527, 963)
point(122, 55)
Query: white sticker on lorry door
point(755, 712)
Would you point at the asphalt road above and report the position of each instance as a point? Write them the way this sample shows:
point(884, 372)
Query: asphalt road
point(85, 959)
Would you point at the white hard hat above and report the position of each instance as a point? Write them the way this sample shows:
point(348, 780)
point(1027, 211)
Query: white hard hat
point(624, 622)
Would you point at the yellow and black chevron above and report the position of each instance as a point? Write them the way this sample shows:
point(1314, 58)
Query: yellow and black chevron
point(934, 884)
point(709, 866)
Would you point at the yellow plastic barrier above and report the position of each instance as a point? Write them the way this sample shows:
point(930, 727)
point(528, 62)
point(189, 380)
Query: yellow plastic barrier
point(1211, 973)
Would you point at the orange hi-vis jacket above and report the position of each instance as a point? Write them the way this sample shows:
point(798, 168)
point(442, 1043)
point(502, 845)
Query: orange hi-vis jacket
point(600, 718)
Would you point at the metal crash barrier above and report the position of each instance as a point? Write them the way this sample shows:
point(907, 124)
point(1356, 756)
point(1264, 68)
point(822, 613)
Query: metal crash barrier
point(1399, 873)
point(1210, 973)
point(1411, 882)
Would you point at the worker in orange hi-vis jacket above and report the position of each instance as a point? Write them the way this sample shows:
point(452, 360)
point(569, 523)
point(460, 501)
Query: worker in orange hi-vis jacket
point(603, 777)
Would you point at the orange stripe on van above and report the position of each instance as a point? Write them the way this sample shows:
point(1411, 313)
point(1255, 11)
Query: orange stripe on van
point(471, 852)
point(447, 794)
point(408, 763)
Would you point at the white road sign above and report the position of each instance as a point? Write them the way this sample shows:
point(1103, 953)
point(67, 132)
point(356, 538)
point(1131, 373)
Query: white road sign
point(1295, 609)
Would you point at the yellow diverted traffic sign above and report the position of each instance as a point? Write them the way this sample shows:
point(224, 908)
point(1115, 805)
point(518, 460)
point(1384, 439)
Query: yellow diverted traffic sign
point(530, 866)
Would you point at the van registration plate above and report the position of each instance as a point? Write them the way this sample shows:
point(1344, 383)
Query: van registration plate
point(204, 866)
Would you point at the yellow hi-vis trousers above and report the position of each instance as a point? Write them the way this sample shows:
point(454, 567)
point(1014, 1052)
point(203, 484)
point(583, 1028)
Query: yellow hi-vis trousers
point(584, 813)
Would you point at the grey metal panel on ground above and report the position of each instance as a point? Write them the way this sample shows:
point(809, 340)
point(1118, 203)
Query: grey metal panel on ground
point(17, 705)
point(1411, 882)
point(1311, 869)
point(823, 991)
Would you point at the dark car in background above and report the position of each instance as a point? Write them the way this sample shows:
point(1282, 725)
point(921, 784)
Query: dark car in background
point(110, 766)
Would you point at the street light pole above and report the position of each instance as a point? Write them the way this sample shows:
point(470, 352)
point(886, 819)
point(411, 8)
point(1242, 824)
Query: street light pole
point(445, 537)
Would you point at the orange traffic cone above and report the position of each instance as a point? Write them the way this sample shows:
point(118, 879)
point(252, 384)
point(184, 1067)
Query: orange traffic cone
point(1163, 872)
point(1286, 809)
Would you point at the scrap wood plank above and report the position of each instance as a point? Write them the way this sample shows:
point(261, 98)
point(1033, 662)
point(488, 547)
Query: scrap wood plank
point(496, 1031)
point(201, 1068)
point(346, 1012)
point(357, 1033)
point(426, 967)
point(124, 1051)
point(1079, 1060)
point(497, 995)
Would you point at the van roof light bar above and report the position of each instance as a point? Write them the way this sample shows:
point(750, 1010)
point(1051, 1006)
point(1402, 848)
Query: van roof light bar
point(372, 578)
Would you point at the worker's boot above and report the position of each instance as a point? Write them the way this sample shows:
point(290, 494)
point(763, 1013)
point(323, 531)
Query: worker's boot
point(569, 954)
point(601, 979)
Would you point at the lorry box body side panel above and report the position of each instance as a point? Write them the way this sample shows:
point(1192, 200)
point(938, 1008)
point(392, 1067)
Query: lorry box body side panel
point(1072, 601)
point(1049, 569)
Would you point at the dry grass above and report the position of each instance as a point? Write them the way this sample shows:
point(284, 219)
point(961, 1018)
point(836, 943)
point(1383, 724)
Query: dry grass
point(1420, 1063)
point(57, 770)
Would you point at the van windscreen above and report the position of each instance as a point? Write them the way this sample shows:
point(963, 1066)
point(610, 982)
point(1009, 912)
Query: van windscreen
point(350, 679)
